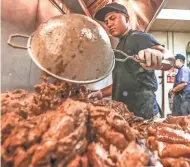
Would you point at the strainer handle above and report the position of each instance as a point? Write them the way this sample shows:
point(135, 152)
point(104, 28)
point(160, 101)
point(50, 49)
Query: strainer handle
point(123, 53)
point(15, 45)
point(167, 64)
point(134, 57)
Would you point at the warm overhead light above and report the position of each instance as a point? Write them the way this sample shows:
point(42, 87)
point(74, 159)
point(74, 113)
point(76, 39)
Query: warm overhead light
point(174, 14)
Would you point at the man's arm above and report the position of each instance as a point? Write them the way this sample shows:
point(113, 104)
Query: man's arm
point(168, 58)
point(156, 57)
point(178, 88)
point(183, 80)
point(105, 92)
point(152, 55)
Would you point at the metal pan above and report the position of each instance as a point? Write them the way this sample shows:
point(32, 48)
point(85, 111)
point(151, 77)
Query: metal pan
point(71, 47)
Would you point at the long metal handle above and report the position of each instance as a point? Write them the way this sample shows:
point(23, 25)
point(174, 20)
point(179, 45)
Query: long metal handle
point(15, 45)
point(127, 57)
point(166, 64)
point(57, 6)
point(124, 54)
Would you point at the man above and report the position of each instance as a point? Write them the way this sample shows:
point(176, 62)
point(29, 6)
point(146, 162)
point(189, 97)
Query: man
point(134, 81)
point(181, 90)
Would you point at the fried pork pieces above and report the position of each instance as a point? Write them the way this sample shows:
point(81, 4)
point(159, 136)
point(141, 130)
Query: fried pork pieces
point(171, 141)
point(58, 126)
point(51, 139)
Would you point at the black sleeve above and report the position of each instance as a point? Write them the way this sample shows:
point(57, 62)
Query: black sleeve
point(144, 41)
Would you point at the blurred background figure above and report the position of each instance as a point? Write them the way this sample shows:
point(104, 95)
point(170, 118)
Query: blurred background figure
point(181, 89)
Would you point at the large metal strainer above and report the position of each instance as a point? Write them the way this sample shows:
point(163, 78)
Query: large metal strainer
point(71, 47)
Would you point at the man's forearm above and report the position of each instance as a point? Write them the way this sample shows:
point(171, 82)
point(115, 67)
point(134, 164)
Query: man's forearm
point(168, 60)
point(107, 91)
point(179, 87)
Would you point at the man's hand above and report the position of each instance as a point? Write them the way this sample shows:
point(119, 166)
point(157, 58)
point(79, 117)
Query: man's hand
point(170, 93)
point(96, 95)
point(150, 58)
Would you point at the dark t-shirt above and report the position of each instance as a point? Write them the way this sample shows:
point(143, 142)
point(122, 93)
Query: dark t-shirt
point(130, 76)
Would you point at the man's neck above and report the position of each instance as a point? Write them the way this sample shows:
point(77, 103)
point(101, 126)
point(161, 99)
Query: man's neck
point(125, 33)
point(181, 66)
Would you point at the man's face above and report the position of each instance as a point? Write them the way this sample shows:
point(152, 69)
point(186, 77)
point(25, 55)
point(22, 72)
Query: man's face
point(178, 63)
point(117, 23)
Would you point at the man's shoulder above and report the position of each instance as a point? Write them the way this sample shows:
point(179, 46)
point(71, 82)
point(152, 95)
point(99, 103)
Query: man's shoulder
point(143, 39)
point(139, 34)
point(185, 68)
point(132, 35)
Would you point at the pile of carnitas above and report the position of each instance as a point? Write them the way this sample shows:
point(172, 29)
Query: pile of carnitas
point(58, 126)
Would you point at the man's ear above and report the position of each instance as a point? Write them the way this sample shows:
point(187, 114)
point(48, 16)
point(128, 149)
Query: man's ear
point(127, 17)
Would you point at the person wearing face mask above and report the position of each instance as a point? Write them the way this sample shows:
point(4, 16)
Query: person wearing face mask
point(134, 81)
point(181, 89)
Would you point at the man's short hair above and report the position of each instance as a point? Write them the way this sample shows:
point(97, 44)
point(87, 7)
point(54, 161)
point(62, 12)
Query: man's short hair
point(180, 56)
point(111, 7)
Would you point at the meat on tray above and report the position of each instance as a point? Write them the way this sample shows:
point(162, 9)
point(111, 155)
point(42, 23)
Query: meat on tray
point(59, 126)
point(170, 141)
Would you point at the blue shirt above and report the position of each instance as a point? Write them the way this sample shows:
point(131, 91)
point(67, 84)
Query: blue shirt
point(183, 75)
